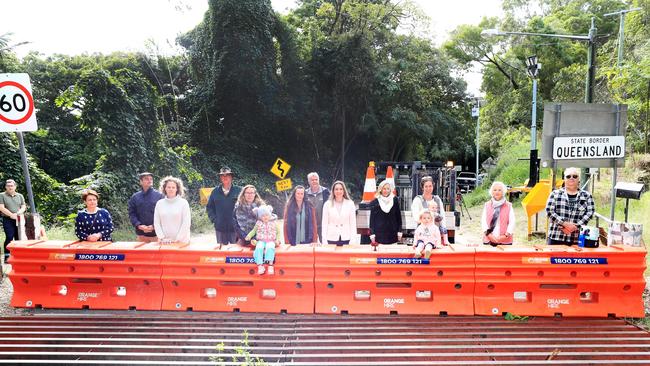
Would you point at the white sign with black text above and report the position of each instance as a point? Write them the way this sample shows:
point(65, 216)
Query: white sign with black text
point(589, 147)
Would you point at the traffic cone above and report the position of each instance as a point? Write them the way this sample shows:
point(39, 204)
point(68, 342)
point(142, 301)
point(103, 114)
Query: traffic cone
point(390, 177)
point(370, 187)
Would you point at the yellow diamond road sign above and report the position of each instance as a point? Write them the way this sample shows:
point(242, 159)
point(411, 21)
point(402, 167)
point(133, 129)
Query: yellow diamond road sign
point(283, 185)
point(280, 168)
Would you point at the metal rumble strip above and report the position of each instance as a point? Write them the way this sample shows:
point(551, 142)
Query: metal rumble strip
point(169, 338)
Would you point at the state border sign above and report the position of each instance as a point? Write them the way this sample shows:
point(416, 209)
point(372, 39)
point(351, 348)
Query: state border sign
point(583, 135)
point(17, 111)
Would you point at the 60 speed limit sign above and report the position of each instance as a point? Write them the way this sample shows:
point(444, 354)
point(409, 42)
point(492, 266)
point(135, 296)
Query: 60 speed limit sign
point(16, 103)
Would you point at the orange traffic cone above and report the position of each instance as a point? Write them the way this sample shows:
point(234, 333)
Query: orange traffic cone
point(390, 177)
point(370, 187)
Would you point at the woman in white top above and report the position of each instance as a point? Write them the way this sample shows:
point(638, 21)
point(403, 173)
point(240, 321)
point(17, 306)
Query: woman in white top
point(172, 218)
point(422, 202)
point(339, 217)
point(498, 217)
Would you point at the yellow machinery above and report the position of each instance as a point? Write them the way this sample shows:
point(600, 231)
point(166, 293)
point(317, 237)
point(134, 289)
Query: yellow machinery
point(535, 200)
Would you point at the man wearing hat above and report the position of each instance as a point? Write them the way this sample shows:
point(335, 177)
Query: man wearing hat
point(221, 205)
point(141, 208)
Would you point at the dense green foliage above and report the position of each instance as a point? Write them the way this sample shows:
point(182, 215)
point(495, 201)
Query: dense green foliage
point(327, 87)
point(562, 78)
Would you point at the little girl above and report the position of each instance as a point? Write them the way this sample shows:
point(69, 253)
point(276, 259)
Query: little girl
point(266, 238)
point(427, 235)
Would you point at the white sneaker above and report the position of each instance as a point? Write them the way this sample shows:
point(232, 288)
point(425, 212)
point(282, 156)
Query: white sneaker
point(418, 255)
point(427, 253)
point(271, 270)
point(261, 270)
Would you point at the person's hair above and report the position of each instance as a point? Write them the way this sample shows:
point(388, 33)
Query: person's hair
point(497, 183)
point(241, 200)
point(425, 179)
point(425, 212)
point(381, 186)
point(312, 174)
point(292, 203)
point(89, 192)
point(180, 189)
point(570, 169)
point(346, 196)
point(10, 181)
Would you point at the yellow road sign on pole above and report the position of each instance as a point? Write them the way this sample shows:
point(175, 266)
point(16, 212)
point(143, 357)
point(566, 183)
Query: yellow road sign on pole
point(280, 168)
point(283, 185)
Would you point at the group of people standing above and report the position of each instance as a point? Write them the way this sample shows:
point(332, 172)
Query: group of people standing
point(312, 214)
point(157, 216)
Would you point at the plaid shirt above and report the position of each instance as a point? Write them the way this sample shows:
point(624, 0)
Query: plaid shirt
point(559, 210)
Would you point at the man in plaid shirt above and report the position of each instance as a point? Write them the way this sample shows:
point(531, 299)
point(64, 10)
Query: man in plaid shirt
point(568, 209)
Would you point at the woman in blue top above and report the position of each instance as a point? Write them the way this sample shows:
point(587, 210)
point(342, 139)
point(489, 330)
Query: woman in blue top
point(93, 223)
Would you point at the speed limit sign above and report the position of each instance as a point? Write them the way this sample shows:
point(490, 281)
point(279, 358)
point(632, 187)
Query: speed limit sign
point(16, 103)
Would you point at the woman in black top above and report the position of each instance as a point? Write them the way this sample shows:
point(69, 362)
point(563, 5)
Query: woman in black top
point(385, 216)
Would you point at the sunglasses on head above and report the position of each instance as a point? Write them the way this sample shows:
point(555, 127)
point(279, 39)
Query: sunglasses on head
point(574, 176)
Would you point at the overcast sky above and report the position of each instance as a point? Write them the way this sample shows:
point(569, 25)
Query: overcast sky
point(77, 26)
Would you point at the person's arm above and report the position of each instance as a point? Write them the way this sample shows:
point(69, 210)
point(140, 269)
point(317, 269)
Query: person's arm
point(252, 233)
point(157, 222)
point(183, 235)
point(416, 208)
point(353, 222)
point(325, 221)
point(398, 213)
point(278, 230)
point(133, 213)
point(437, 238)
point(374, 211)
point(80, 228)
point(23, 206)
point(417, 235)
point(108, 227)
point(5, 211)
point(550, 208)
point(238, 228)
point(511, 222)
point(285, 224)
point(589, 213)
point(211, 206)
point(314, 225)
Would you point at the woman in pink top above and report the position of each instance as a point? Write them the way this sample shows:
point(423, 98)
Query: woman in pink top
point(498, 218)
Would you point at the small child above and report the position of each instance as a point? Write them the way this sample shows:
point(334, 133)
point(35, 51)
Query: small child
point(427, 235)
point(266, 239)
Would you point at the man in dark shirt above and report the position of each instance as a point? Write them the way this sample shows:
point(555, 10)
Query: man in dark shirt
point(141, 209)
point(568, 210)
point(221, 205)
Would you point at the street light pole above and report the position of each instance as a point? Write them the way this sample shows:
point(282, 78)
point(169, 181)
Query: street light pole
point(533, 68)
point(591, 57)
point(476, 112)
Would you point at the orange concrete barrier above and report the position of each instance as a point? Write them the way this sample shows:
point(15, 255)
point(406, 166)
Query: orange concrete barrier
point(77, 275)
point(358, 280)
point(210, 277)
point(560, 280)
